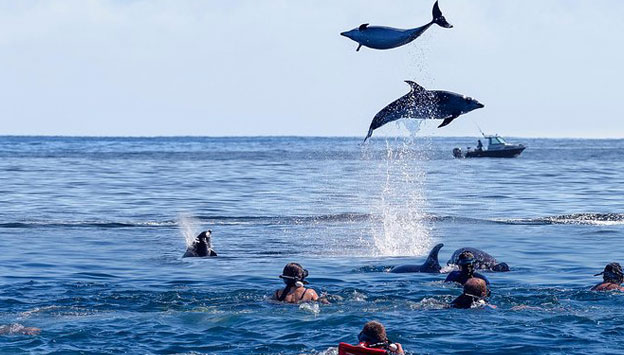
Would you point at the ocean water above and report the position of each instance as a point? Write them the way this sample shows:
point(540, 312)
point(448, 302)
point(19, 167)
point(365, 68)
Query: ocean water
point(92, 232)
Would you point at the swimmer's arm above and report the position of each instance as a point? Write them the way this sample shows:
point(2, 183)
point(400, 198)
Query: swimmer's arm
point(315, 297)
point(399, 349)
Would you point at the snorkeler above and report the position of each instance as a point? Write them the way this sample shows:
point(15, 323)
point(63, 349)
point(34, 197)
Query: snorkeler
point(475, 293)
point(372, 340)
point(294, 277)
point(612, 278)
point(466, 262)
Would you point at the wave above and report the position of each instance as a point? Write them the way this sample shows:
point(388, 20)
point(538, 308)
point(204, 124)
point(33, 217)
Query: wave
point(216, 220)
point(599, 219)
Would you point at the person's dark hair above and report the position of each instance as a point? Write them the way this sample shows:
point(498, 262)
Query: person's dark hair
point(612, 273)
point(294, 276)
point(373, 333)
point(204, 235)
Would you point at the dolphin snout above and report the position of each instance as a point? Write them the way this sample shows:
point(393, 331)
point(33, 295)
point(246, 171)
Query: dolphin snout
point(344, 34)
point(480, 105)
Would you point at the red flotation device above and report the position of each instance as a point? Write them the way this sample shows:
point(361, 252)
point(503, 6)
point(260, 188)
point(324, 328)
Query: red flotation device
point(348, 349)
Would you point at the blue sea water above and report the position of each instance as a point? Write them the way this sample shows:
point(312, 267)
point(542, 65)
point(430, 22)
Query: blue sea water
point(92, 232)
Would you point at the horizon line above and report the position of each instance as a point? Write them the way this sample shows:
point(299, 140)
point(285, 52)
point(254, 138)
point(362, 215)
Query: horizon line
point(279, 136)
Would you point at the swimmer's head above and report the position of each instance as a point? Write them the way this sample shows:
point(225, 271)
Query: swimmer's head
point(204, 237)
point(612, 273)
point(466, 262)
point(373, 334)
point(475, 287)
point(294, 275)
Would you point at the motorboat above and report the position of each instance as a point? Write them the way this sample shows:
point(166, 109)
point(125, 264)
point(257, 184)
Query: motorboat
point(497, 147)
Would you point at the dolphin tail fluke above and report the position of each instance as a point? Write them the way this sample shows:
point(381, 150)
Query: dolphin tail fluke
point(370, 133)
point(438, 18)
point(447, 121)
point(432, 262)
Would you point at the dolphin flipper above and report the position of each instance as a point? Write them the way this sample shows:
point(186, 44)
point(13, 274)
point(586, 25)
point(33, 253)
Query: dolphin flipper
point(438, 18)
point(358, 48)
point(447, 121)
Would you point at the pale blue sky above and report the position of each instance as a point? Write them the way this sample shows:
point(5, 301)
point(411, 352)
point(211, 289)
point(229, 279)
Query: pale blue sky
point(543, 68)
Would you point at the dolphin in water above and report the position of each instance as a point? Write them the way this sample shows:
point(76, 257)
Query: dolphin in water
point(430, 265)
point(421, 103)
point(483, 260)
point(380, 37)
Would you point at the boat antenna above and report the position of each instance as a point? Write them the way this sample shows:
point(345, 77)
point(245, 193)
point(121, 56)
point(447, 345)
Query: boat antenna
point(479, 128)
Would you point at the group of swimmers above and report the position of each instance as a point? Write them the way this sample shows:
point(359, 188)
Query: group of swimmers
point(373, 335)
point(475, 293)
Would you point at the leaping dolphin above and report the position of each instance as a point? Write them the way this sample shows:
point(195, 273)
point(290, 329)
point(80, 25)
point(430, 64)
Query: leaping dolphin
point(380, 37)
point(430, 265)
point(420, 103)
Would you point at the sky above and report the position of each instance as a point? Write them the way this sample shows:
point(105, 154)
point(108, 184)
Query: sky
point(543, 68)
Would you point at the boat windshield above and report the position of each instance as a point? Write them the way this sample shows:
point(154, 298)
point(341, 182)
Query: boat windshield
point(497, 140)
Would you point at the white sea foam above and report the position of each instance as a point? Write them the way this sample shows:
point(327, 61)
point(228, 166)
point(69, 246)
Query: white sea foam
point(313, 308)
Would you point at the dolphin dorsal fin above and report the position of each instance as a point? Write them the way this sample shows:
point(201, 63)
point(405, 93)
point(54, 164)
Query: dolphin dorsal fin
point(432, 262)
point(363, 26)
point(415, 87)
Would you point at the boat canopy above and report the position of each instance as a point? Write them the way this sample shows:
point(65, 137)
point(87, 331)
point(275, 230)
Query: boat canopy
point(493, 140)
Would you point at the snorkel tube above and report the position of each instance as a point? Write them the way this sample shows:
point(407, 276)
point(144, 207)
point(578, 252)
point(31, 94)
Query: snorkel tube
point(612, 273)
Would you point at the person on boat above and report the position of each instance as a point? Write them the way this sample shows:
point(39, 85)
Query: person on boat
point(474, 295)
point(373, 335)
point(612, 278)
point(466, 262)
point(294, 276)
point(479, 145)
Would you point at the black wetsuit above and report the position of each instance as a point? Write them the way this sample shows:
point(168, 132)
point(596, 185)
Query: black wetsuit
point(458, 276)
point(464, 301)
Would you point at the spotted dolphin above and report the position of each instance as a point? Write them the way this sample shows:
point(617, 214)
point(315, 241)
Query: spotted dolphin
point(483, 260)
point(380, 37)
point(431, 265)
point(420, 103)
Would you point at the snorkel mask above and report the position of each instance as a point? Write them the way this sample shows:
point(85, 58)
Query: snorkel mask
point(294, 274)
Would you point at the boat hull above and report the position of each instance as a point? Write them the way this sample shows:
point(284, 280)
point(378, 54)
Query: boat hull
point(501, 153)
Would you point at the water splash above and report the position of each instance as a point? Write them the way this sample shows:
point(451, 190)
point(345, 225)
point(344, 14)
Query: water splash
point(189, 227)
point(403, 229)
